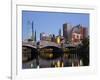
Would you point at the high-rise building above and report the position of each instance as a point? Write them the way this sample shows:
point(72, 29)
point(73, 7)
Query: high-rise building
point(32, 30)
point(35, 35)
point(59, 32)
point(69, 28)
point(67, 32)
point(40, 36)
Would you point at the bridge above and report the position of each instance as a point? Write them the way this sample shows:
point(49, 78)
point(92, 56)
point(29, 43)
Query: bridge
point(29, 44)
point(41, 44)
point(48, 53)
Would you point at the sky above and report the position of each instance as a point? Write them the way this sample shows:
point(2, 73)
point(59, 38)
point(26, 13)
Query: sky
point(50, 22)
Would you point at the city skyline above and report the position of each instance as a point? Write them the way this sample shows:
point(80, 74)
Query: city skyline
point(50, 22)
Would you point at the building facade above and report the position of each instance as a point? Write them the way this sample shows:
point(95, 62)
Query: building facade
point(67, 32)
point(78, 34)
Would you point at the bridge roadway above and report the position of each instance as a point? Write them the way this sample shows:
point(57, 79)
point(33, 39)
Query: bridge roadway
point(42, 44)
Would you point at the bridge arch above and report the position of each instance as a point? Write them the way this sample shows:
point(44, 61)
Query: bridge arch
point(29, 53)
point(43, 44)
point(28, 45)
point(50, 52)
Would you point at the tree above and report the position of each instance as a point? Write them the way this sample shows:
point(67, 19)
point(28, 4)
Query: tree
point(84, 51)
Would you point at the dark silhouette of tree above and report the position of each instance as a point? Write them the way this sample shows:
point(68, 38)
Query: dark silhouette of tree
point(84, 51)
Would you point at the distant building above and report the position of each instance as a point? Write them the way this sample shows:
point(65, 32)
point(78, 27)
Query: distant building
point(85, 32)
point(59, 32)
point(78, 34)
point(33, 31)
point(35, 36)
point(58, 39)
point(45, 37)
point(53, 38)
point(76, 38)
point(67, 32)
point(40, 36)
point(62, 40)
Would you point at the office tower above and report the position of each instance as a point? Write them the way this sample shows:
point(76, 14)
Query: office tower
point(59, 32)
point(40, 36)
point(32, 30)
point(69, 28)
point(67, 32)
point(35, 35)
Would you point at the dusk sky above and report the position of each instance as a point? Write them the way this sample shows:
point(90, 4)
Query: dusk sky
point(50, 22)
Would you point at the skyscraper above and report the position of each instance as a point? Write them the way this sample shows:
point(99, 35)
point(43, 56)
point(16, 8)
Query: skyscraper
point(40, 36)
point(32, 30)
point(67, 32)
point(35, 35)
point(59, 32)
